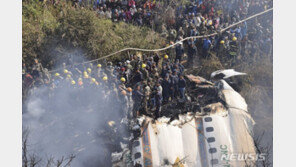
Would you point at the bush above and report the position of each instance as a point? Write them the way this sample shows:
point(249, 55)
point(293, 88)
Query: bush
point(51, 32)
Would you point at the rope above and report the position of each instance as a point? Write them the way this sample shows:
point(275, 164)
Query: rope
point(170, 46)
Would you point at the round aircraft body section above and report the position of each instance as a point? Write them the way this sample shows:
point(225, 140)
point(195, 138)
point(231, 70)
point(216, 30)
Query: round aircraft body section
point(196, 140)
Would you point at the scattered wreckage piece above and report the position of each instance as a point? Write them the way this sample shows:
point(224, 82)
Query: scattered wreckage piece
point(200, 81)
point(227, 73)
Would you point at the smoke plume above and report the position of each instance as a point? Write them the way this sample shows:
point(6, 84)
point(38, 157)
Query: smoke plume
point(67, 121)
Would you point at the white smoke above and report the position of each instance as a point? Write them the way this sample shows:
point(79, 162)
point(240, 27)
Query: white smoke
point(70, 121)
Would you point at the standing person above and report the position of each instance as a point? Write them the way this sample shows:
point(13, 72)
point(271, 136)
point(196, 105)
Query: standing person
point(233, 49)
point(166, 85)
point(144, 72)
point(192, 52)
point(36, 69)
point(158, 100)
point(179, 50)
point(175, 80)
point(156, 59)
point(130, 102)
point(108, 13)
point(137, 97)
point(182, 86)
point(206, 47)
point(138, 76)
point(124, 101)
point(147, 92)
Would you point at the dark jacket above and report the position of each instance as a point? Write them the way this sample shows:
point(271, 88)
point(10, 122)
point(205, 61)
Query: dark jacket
point(182, 83)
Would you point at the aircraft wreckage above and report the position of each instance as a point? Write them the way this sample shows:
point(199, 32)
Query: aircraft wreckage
point(212, 123)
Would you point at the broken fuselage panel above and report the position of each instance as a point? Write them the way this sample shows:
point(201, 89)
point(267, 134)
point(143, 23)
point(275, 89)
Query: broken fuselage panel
point(198, 139)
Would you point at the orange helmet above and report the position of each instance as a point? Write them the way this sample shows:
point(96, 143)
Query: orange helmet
point(123, 92)
point(129, 89)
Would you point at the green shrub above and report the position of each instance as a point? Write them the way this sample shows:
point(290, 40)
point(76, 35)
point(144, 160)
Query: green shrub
point(50, 32)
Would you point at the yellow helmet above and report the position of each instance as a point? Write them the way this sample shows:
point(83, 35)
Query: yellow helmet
point(99, 65)
point(66, 71)
point(93, 80)
point(68, 76)
point(210, 22)
point(222, 42)
point(234, 38)
point(73, 82)
point(57, 74)
point(88, 70)
point(84, 73)
point(105, 78)
point(143, 65)
point(122, 79)
point(111, 123)
point(166, 56)
point(86, 76)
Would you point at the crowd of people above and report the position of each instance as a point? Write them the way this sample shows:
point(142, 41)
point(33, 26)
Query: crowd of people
point(176, 20)
point(144, 83)
point(198, 18)
point(137, 83)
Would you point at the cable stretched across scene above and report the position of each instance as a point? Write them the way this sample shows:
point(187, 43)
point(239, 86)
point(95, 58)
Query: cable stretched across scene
point(172, 45)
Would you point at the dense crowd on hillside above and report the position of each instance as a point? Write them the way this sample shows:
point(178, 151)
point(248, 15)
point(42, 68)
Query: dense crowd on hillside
point(144, 83)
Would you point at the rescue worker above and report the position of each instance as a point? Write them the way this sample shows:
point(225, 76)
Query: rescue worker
point(144, 71)
point(221, 49)
point(124, 103)
point(130, 102)
point(233, 51)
